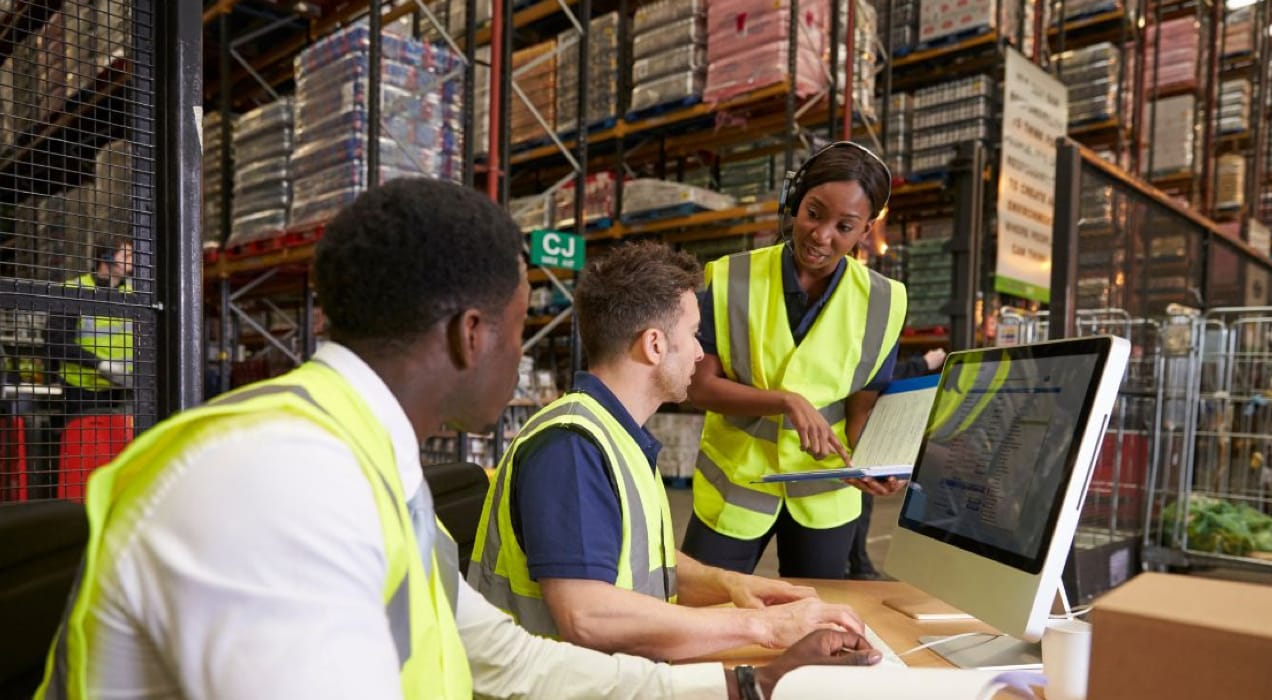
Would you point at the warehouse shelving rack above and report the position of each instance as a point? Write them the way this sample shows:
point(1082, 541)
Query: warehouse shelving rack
point(665, 138)
point(975, 54)
point(262, 294)
point(1198, 185)
point(667, 143)
point(266, 288)
point(1252, 141)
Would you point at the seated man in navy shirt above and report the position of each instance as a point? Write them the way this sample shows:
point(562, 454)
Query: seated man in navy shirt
point(576, 538)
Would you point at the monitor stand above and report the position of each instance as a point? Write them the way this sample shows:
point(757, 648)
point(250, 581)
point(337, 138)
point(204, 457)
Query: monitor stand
point(988, 652)
point(997, 652)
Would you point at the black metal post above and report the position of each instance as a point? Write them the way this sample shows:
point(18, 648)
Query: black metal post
point(1120, 120)
point(624, 97)
point(1259, 137)
point(373, 95)
point(470, 92)
point(792, 68)
point(886, 128)
point(1138, 88)
point(226, 355)
point(1157, 55)
point(1064, 241)
point(580, 178)
point(968, 173)
point(1060, 36)
point(227, 97)
point(850, 51)
point(1210, 110)
point(505, 103)
point(1020, 23)
point(308, 338)
point(832, 94)
point(178, 298)
point(1041, 41)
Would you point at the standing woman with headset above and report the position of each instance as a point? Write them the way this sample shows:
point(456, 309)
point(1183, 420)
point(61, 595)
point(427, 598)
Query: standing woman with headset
point(798, 338)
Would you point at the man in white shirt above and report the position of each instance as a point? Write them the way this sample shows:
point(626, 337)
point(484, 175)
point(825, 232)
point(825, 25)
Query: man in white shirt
point(254, 560)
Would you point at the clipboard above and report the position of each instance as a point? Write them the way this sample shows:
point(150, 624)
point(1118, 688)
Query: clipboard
point(889, 443)
point(900, 471)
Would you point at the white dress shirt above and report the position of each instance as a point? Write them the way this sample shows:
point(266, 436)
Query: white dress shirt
point(257, 571)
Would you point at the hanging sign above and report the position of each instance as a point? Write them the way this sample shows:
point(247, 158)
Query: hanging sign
point(1035, 114)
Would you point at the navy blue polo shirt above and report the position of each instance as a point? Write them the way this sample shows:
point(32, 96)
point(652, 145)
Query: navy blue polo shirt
point(564, 501)
point(801, 312)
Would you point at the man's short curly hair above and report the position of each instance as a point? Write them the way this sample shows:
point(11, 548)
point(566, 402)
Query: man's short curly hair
point(635, 287)
point(410, 253)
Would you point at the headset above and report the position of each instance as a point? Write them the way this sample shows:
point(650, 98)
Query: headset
point(104, 253)
point(793, 180)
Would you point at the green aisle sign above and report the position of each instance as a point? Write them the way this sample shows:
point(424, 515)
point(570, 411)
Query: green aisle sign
point(556, 249)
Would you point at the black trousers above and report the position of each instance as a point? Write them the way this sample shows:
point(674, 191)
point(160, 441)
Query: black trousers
point(858, 557)
point(802, 552)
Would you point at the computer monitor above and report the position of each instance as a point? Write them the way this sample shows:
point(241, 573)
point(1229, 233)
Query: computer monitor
point(1010, 445)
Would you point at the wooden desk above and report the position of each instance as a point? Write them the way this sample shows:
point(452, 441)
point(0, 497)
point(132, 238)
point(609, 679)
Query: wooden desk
point(866, 597)
point(899, 631)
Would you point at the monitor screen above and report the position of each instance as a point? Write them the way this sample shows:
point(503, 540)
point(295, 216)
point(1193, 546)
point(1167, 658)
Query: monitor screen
point(999, 449)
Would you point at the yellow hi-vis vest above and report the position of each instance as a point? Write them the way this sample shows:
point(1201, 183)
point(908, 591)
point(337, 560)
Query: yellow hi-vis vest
point(420, 616)
point(647, 558)
point(846, 346)
point(105, 337)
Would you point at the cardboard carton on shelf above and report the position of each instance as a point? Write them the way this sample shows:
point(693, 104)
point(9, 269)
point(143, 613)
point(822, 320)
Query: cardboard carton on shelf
point(1169, 637)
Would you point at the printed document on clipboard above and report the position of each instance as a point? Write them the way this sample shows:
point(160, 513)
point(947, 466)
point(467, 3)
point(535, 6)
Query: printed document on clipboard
point(890, 442)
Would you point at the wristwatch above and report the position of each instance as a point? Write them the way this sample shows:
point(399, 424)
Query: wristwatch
point(748, 686)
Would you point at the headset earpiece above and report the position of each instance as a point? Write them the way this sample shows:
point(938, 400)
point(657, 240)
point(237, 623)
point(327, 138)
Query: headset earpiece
point(788, 182)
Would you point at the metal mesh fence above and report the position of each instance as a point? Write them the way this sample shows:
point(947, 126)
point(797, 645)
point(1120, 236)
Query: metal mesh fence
point(77, 317)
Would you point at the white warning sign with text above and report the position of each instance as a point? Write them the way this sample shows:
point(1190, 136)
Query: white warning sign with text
point(1035, 114)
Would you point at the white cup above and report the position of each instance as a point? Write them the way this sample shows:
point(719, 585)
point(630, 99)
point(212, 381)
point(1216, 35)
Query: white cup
point(1066, 654)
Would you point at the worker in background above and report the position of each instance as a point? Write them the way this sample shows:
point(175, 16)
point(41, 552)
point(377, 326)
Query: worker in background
point(95, 353)
point(280, 540)
point(576, 539)
point(919, 365)
point(799, 340)
point(859, 565)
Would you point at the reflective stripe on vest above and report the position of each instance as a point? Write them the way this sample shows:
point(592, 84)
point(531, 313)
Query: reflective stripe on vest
point(954, 412)
point(842, 352)
point(104, 337)
point(418, 606)
point(499, 570)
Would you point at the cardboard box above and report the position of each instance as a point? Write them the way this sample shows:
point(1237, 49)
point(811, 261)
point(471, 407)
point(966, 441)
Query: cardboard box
point(1170, 637)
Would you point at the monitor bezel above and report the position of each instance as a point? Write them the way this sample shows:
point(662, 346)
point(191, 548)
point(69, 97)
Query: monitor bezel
point(1100, 347)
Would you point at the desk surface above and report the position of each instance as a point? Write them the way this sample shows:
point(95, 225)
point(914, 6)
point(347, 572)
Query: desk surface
point(899, 631)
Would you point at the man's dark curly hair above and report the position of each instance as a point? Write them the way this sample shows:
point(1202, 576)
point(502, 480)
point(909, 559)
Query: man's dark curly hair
point(410, 253)
point(635, 287)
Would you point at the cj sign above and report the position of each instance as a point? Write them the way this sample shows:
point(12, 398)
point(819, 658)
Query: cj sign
point(556, 249)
